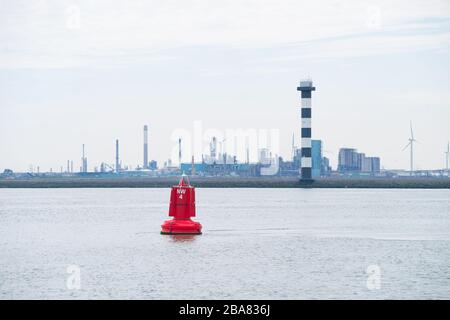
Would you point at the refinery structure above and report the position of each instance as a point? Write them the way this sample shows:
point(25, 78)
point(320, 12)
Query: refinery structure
point(306, 162)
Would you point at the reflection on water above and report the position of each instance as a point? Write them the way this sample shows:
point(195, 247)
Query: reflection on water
point(182, 237)
point(256, 243)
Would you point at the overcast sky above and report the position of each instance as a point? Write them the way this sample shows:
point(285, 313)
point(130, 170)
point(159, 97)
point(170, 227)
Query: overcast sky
point(74, 72)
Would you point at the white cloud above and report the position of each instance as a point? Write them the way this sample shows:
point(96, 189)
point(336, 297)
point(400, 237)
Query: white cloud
point(43, 34)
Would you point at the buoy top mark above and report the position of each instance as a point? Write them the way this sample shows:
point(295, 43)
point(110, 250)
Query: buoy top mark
point(184, 181)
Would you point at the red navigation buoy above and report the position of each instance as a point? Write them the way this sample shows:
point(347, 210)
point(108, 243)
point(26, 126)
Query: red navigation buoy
point(182, 208)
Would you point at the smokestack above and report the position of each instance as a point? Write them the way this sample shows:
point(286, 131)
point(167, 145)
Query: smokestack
point(179, 152)
point(248, 155)
point(117, 156)
point(145, 166)
point(213, 148)
point(193, 166)
point(83, 162)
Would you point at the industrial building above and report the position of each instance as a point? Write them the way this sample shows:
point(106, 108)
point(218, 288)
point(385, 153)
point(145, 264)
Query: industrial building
point(326, 167)
point(347, 160)
point(316, 157)
point(371, 164)
point(351, 161)
point(229, 169)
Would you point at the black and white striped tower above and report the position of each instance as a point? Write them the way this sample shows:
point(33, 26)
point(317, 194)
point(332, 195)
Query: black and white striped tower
point(306, 87)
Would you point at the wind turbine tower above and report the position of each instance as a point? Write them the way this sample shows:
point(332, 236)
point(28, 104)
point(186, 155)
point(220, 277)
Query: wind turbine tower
point(411, 149)
point(117, 156)
point(447, 153)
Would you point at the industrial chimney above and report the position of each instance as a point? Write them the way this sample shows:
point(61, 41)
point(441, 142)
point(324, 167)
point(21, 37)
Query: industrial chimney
point(117, 156)
point(145, 166)
point(83, 162)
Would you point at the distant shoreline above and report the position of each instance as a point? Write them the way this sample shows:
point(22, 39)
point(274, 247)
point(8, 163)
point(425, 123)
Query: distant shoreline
point(228, 182)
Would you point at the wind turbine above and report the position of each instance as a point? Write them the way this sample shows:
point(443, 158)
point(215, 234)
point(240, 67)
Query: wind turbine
point(411, 145)
point(447, 153)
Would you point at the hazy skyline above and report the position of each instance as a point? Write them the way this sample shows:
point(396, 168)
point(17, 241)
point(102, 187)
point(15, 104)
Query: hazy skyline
point(74, 72)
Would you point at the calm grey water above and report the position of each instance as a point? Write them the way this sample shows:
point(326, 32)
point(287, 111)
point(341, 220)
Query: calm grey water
point(257, 243)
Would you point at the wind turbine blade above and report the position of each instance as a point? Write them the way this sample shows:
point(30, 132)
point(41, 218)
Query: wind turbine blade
point(412, 134)
point(406, 146)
